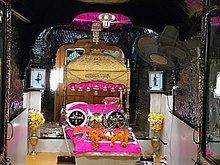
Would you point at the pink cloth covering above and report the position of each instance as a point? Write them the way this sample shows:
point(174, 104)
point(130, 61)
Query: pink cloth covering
point(208, 152)
point(94, 107)
point(83, 146)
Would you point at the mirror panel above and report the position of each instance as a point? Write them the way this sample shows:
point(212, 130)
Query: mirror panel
point(2, 78)
point(212, 90)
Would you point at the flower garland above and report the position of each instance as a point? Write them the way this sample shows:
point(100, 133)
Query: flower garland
point(97, 135)
point(156, 120)
point(121, 136)
point(36, 119)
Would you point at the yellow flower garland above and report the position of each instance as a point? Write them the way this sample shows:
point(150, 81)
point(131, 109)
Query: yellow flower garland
point(156, 120)
point(36, 119)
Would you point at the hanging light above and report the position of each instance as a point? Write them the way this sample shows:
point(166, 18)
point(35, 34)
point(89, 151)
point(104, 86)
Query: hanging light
point(105, 88)
point(96, 87)
point(96, 28)
point(106, 19)
point(112, 89)
point(88, 89)
point(95, 93)
point(80, 89)
point(119, 89)
point(73, 88)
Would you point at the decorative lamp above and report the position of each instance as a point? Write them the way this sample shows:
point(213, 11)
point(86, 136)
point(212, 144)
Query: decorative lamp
point(96, 28)
point(106, 19)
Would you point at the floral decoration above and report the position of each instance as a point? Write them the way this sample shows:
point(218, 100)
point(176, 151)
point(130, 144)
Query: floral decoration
point(36, 119)
point(156, 121)
point(96, 136)
point(99, 135)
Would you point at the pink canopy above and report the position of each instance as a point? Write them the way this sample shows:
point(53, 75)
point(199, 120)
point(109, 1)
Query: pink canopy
point(85, 20)
point(93, 17)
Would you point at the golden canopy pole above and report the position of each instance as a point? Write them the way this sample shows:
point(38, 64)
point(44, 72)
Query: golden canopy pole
point(127, 105)
point(121, 98)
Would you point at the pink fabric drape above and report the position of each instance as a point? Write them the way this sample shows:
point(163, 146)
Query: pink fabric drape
point(99, 108)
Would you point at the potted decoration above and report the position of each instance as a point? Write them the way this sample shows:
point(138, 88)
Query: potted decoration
point(36, 119)
point(156, 121)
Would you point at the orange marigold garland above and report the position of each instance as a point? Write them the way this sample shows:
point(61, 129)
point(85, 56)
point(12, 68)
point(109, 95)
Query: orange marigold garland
point(97, 135)
point(121, 136)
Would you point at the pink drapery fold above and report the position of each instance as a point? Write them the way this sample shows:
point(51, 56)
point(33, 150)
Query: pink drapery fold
point(98, 108)
point(99, 84)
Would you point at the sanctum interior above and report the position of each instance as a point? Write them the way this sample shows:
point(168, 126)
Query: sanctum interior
point(121, 86)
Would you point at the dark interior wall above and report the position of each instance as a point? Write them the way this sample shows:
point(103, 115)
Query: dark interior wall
point(16, 84)
point(11, 86)
point(2, 79)
point(186, 99)
point(142, 108)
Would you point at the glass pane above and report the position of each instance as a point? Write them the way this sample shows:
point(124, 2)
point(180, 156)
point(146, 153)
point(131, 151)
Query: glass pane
point(2, 120)
point(213, 86)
